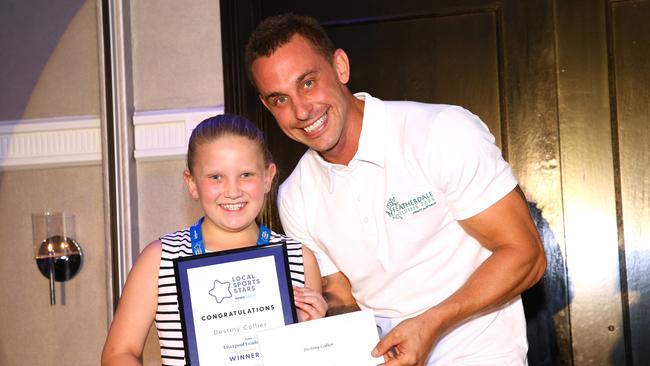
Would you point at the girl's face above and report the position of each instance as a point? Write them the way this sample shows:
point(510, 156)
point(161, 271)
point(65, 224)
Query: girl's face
point(230, 181)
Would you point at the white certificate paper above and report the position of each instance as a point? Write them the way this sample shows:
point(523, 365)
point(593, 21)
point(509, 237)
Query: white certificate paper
point(340, 340)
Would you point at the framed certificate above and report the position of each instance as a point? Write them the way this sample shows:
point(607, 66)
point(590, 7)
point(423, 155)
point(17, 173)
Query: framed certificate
point(226, 298)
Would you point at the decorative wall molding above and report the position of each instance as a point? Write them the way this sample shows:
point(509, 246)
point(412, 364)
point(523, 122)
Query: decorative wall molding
point(70, 141)
point(50, 142)
point(164, 134)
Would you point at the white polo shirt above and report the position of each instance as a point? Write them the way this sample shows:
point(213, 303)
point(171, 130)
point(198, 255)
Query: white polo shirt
point(388, 220)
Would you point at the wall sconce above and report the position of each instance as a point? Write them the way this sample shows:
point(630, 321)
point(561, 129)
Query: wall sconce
point(58, 256)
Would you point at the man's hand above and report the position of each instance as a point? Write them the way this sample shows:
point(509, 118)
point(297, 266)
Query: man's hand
point(409, 343)
point(309, 303)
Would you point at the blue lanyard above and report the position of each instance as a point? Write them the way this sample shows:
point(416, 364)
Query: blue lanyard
point(198, 247)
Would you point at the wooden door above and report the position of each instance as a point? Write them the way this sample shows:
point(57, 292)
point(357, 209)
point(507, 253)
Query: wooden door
point(563, 87)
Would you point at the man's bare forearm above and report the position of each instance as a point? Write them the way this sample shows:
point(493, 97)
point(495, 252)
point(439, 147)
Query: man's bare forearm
point(342, 309)
point(338, 294)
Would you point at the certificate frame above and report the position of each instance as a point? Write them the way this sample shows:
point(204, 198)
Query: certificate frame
point(230, 259)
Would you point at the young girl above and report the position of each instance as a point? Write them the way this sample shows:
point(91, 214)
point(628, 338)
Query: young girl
point(229, 172)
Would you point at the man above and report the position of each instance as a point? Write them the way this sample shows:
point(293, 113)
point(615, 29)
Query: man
point(409, 207)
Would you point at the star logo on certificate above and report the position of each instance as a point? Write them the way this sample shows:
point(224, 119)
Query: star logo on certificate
point(220, 291)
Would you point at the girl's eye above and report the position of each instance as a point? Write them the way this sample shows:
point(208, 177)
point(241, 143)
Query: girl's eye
point(215, 177)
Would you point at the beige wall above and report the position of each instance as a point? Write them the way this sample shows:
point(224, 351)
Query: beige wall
point(163, 201)
point(176, 54)
point(69, 83)
point(33, 331)
point(175, 64)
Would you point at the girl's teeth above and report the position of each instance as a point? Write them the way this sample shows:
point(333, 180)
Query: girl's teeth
point(233, 207)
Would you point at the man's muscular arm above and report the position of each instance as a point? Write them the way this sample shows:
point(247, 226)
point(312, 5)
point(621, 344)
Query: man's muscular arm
point(516, 263)
point(338, 294)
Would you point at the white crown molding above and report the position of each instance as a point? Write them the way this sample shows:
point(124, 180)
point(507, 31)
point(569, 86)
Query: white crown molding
point(50, 142)
point(70, 141)
point(164, 134)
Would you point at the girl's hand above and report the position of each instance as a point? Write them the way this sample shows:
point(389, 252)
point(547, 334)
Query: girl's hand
point(310, 304)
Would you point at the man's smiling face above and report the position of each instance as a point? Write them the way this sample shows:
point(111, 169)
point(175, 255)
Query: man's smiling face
point(307, 96)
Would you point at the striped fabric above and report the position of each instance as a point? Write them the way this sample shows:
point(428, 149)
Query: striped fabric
point(168, 322)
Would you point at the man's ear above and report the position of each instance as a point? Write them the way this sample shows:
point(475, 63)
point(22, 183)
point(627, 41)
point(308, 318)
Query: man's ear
point(341, 65)
point(268, 177)
point(266, 104)
point(191, 185)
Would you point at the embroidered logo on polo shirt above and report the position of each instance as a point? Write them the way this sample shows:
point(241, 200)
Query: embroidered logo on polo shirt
point(398, 210)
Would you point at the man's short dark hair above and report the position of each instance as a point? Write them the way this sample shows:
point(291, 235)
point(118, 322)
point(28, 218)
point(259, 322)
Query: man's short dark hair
point(275, 31)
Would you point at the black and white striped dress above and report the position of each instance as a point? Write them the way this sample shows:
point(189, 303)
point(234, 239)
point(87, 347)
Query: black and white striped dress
point(168, 322)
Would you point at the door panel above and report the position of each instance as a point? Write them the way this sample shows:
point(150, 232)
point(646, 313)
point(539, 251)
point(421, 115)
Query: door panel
point(631, 74)
point(588, 183)
point(419, 60)
point(531, 133)
point(374, 10)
